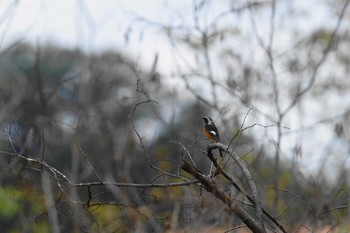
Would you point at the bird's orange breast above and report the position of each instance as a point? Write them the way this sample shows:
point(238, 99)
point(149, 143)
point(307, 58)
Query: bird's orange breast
point(209, 135)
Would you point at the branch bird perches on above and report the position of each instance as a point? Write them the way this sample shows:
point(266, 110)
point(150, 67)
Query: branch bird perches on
point(255, 226)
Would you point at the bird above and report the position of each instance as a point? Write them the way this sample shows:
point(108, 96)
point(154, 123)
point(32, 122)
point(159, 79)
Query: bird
point(210, 130)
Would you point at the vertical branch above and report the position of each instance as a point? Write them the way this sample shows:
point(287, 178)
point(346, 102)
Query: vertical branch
point(277, 163)
point(275, 86)
point(209, 66)
point(205, 46)
point(38, 78)
point(269, 53)
point(48, 196)
point(74, 178)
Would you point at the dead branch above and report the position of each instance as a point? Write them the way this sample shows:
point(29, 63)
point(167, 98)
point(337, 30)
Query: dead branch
point(246, 173)
point(240, 189)
point(213, 188)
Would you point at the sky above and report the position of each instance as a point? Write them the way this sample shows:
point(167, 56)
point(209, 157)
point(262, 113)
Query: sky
point(105, 24)
point(92, 26)
point(95, 26)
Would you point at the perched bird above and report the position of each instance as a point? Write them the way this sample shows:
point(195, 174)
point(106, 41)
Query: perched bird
point(210, 131)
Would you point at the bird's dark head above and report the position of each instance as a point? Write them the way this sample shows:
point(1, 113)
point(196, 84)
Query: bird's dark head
point(207, 120)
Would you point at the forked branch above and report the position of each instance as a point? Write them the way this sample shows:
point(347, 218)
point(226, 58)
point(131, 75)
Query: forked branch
point(213, 188)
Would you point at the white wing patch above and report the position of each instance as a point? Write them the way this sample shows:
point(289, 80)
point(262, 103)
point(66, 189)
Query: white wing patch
point(212, 132)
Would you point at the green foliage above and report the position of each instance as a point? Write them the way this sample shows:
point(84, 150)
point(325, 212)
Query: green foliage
point(22, 202)
point(322, 36)
point(123, 218)
point(107, 217)
point(11, 202)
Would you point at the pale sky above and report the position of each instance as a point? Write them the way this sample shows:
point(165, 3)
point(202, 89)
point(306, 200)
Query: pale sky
point(101, 25)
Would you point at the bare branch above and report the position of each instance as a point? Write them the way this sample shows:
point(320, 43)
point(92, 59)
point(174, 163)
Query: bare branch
point(135, 185)
point(213, 188)
point(240, 189)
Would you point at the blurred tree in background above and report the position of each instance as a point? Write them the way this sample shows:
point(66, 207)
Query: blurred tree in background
point(95, 142)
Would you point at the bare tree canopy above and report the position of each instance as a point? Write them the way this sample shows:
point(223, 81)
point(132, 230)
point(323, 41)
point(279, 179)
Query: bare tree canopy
point(110, 141)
